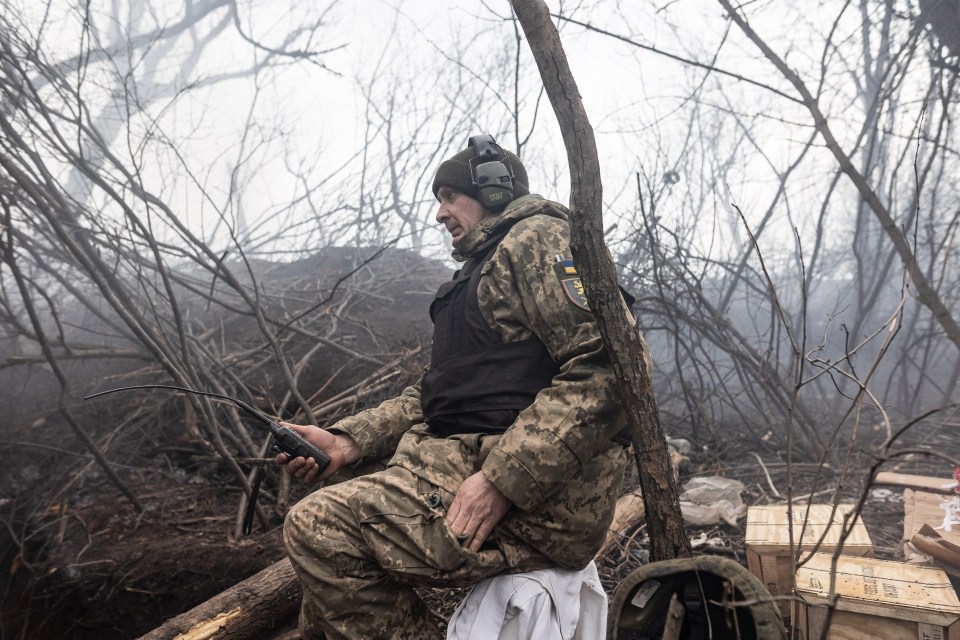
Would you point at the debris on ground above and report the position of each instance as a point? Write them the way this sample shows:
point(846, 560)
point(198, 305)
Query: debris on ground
point(709, 500)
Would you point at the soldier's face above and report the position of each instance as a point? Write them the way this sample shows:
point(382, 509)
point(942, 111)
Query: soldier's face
point(458, 212)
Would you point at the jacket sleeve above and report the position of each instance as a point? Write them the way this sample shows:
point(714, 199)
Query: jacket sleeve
point(522, 294)
point(377, 431)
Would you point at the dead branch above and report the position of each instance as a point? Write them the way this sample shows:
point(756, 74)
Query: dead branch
point(241, 612)
point(623, 343)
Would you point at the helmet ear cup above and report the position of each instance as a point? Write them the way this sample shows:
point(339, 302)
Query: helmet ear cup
point(491, 173)
point(494, 184)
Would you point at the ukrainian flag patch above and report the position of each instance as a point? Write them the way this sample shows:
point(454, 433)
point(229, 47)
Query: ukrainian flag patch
point(568, 267)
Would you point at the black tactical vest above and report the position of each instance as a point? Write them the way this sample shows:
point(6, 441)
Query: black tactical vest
point(477, 383)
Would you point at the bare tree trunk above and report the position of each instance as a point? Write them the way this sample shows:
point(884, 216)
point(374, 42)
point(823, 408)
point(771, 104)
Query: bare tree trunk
point(667, 536)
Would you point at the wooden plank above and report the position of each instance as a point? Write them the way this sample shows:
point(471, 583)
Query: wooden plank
point(890, 590)
point(753, 564)
point(930, 632)
point(767, 530)
point(849, 625)
point(923, 483)
point(945, 553)
point(785, 573)
point(801, 623)
point(922, 507)
point(816, 620)
point(771, 575)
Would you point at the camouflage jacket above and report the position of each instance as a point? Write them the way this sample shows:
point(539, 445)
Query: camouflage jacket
point(557, 463)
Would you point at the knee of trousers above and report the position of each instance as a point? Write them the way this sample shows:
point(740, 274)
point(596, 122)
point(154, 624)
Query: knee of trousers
point(304, 525)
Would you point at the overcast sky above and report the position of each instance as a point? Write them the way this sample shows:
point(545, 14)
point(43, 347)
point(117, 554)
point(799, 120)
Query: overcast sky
point(257, 137)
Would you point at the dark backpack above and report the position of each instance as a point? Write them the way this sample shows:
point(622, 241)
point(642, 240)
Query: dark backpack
point(720, 597)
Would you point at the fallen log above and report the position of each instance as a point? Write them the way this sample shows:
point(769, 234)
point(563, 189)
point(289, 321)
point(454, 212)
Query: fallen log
point(630, 512)
point(628, 515)
point(242, 612)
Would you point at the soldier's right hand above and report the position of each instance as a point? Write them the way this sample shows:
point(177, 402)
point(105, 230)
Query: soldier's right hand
point(341, 448)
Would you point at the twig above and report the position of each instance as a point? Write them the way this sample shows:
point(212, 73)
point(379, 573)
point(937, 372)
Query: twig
point(767, 474)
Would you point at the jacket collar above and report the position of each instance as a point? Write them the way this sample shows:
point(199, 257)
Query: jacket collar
point(520, 209)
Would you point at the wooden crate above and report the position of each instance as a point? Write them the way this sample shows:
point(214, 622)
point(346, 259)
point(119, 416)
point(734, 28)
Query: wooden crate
point(877, 600)
point(769, 556)
point(921, 507)
point(930, 484)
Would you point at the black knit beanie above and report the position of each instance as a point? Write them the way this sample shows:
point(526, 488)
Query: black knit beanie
point(454, 172)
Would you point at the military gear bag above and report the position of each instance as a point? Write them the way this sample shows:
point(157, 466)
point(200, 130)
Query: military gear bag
point(721, 600)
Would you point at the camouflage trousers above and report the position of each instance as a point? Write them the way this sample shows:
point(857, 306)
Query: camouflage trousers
point(360, 547)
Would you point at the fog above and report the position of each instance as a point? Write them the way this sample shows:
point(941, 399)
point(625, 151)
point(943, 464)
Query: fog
point(237, 197)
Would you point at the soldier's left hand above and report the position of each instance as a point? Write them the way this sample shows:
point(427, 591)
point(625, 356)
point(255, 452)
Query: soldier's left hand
point(341, 448)
point(476, 510)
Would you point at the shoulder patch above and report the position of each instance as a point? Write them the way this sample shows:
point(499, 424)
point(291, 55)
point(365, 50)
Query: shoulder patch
point(574, 290)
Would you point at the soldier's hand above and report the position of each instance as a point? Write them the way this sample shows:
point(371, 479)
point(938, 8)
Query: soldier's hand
point(476, 510)
point(342, 449)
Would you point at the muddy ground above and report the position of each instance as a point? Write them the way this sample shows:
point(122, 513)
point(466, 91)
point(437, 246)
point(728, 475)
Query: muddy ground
point(92, 567)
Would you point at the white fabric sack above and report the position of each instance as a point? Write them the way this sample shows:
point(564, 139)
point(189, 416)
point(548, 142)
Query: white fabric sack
point(550, 604)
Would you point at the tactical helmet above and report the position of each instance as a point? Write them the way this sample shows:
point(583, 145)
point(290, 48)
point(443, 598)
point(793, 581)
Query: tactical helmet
point(720, 597)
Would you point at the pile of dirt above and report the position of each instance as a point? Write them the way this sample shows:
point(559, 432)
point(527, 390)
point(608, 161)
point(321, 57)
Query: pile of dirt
point(115, 573)
point(77, 560)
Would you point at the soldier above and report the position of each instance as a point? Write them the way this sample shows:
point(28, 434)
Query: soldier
point(507, 455)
